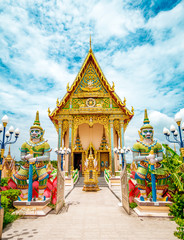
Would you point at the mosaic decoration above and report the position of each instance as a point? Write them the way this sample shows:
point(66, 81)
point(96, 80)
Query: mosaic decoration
point(114, 105)
point(90, 81)
point(67, 106)
point(90, 102)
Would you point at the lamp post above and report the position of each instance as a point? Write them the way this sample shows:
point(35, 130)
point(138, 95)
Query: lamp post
point(62, 151)
point(175, 133)
point(6, 139)
point(122, 151)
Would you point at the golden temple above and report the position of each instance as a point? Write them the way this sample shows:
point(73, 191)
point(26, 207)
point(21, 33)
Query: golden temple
point(8, 166)
point(91, 113)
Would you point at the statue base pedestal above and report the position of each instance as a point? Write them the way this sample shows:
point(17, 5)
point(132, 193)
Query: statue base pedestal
point(90, 188)
point(33, 208)
point(152, 209)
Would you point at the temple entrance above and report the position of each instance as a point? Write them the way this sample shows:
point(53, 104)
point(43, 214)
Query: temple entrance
point(78, 161)
point(104, 161)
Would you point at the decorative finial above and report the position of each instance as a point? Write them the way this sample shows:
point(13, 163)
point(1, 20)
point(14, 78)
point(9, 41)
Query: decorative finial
point(132, 110)
point(146, 119)
point(49, 111)
point(57, 102)
point(68, 87)
point(37, 121)
point(146, 122)
point(124, 101)
point(113, 86)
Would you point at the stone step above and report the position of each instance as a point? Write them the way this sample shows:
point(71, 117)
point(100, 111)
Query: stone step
point(101, 182)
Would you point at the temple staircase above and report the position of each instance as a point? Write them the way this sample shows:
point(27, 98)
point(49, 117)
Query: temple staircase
point(101, 182)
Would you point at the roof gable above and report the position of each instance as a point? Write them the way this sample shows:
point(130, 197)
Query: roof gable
point(90, 81)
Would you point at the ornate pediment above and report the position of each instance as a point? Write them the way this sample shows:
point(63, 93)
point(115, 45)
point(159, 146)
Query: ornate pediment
point(90, 92)
point(90, 82)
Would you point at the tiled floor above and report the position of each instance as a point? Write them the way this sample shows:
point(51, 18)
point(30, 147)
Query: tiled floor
point(91, 215)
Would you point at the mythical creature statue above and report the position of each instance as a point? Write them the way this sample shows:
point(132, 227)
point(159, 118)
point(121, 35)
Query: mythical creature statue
point(148, 152)
point(35, 151)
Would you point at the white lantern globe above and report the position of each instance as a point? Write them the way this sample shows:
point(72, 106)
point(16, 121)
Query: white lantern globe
point(7, 134)
point(1, 128)
point(178, 117)
point(11, 129)
point(172, 128)
point(17, 131)
point(5, 119)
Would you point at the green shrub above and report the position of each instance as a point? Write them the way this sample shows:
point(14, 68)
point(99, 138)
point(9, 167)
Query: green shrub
point(5, 202)
point(180, 230)
point(9, 218)
point(11, 194)
point(133, 205)
point(7, 199)
point(4, 182)
point(176, 209)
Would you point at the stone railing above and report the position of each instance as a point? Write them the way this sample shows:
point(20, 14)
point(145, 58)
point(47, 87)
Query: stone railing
point(112, 180)
point(107, 176)
point(75, 176)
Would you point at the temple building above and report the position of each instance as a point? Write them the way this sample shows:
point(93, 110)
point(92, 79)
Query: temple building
point(91, 117)
point(8, 166)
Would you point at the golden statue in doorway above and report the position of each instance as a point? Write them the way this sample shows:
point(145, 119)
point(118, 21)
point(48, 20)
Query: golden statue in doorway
point(91, 174)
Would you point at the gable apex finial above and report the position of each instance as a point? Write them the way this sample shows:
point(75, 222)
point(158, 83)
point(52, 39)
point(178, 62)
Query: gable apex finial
point(90, 43)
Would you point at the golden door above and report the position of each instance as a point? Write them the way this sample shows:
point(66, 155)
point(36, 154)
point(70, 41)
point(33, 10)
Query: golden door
point(104, 161)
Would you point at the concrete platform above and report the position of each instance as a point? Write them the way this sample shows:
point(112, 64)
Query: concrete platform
point(152, 209)
point(33, 208)
point(91, 216)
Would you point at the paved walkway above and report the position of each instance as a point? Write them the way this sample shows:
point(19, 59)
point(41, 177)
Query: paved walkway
point(93, 216)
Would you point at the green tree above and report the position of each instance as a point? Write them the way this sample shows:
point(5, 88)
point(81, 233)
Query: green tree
point(173, 164)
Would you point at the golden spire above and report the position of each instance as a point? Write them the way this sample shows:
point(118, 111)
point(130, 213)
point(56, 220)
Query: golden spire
point(90, 44)
point(146, 119)
point(37, 121)
point(146, 122)
point(9, 151)
point(9, 157)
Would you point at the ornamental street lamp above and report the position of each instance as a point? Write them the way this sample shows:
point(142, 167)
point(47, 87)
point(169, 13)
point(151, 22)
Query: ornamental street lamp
point(175, 133)
point(62, 151)
point(6, 139)
point(122, 151)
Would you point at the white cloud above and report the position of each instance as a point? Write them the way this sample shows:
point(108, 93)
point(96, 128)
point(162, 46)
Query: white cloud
point(40, 41)
point(112, 19)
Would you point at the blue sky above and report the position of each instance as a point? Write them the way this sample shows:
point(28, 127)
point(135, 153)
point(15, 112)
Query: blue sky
point(138, 44)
